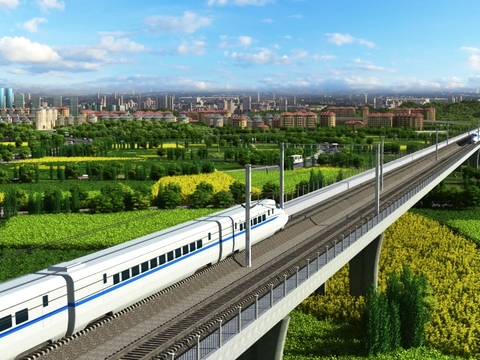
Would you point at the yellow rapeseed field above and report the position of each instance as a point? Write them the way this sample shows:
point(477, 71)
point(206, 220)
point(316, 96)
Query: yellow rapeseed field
point(219, 180)
point(451, 264)
point(63, 159)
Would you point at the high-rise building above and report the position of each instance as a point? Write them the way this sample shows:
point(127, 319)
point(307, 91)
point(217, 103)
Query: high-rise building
point(9, 98)
point(74, 106)
point(36, 101)
point(19, 101)
point(57, 100)
point(2, 98)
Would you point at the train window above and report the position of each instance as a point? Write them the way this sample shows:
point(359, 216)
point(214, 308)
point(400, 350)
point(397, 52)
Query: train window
point(144, 266)
point(235, 226)
point(192, 247)
point(125, 274)
point(185, 250)
point(259, 219)
point(45, 300)
point(178, 253)
point(116, 279)
point(153, 263)
point(6, 322)
point(241, 227)
point(199, 244)
point(21, 316)
point(209, 236)
point(255, 221)
point(104, 278)
point(170, 256)
point(162, 259)
point(264, 217)
point(273, 211)
point(135, 270)
point(268, 212)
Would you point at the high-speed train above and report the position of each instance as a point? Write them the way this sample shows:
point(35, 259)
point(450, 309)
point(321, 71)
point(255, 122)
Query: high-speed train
point(62, 299)
point(473, 138)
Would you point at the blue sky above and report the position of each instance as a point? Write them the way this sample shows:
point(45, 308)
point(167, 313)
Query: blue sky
point(240, 45)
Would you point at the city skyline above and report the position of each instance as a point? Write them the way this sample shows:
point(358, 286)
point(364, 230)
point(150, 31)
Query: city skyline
point(239, 45)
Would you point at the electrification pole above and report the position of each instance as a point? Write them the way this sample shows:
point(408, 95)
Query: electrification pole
point(248, 188)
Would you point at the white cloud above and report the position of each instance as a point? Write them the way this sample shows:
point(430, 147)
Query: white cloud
point(238, 2)
point(32, 25)
point(342, 39)
point(8, 4)
point(367, 65)
point(20, 49)
point(450, 83)
point(242, 41)
point(362, 81)
point(46, 5)
point(470, 49)
point(268, 21)
point(196, 47)
point(109, 43)
point(19, 72)
point(265, 56)
point(474, 62)
point(323, 57)
point(188, 23)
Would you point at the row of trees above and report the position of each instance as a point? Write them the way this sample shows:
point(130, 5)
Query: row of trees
point(456, 197)
point(397, 317)
point(111, 170)
point(114, 197)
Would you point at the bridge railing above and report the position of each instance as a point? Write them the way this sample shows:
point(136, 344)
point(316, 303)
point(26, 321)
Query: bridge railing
point(208, 344)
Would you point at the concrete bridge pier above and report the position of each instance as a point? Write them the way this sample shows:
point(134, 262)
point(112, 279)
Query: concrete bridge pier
point(269, 346)
point(364, 267)
point(474, 160)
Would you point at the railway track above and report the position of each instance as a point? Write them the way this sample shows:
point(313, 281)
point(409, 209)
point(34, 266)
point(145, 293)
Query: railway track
point(214, 293)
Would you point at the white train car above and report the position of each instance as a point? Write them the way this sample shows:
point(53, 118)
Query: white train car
point(473, 138)
point(112, 279)
point(297, 159)
point(33, 310)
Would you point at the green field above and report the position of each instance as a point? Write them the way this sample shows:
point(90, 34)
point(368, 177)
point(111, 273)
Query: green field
point(32, 242)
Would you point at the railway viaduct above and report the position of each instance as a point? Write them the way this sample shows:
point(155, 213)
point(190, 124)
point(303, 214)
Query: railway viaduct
point(262, 336)
point(338, 224)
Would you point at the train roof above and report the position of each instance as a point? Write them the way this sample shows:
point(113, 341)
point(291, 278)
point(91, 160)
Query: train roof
point(104, 259)
point(27, 287)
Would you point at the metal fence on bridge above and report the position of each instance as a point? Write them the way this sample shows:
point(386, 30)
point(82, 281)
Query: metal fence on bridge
point(248, 315)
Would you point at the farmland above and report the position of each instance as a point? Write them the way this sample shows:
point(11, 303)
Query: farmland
point(451, 264)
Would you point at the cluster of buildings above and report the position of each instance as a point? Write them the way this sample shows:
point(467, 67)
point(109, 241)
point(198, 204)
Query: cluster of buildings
point(47, 113)
point(46, 118)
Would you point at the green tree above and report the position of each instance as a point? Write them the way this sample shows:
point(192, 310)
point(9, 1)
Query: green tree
point(202, 196)
point(237, 189)
point(157, 171)
point(169, 196)
point(223, 199)
point(72, 170)
point(75, 208)
point(10, 204)
point(3, 176)
point(413, 312)
point(110, 200)
point(7, 155)
point(271, 190)
point(26, 174)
